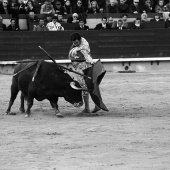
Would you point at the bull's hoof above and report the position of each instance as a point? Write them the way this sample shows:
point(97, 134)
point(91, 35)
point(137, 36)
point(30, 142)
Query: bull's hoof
point(10, 113)
point(27, 116)
point(59, 115)
point(22, 110)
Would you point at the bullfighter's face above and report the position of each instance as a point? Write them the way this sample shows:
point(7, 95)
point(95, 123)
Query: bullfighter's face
point(76, 43)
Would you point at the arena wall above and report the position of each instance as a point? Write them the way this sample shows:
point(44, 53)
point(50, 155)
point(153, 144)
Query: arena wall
point(118, 50)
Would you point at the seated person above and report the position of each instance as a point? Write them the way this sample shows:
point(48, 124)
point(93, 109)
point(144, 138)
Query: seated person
point(120, 25)
point(54, 25)
point(160, 7)
point(5, 8)
point(59, 8)
point(144, 17)
point(60, 18)
point(32, 20)
point(124, 19)
point(112, 7)
point(81, 26)
point(67, 7)
point(48, 18)
point(13, 26)
point(73, 19)
point(41, 26)
point(78, 7)
point(93, 9)
point(33, 17)
point(110, 21)
point(157, 18)
point(30, 7)
point(137, 24)
point(135, 7)
point(103, 25)
point(167, 22)
point(168, 6)
point(148, 6)
point(47, 8)
point(22, 7)
point(3, 26)
point(123, 7)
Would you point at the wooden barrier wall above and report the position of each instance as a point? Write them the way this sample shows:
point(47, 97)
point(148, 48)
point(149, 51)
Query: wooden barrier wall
point(104, 44)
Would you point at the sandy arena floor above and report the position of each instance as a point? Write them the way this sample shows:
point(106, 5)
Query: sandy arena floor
point(133, 135)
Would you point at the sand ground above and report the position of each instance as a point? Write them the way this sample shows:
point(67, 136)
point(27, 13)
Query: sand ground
point(133, 135)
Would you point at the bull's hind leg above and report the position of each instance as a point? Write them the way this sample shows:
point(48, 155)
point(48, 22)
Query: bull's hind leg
point(30, 101)
point(22, 109)
point(14, 92)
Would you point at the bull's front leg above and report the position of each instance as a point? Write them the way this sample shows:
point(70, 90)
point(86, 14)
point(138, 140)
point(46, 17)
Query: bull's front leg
point(54, 105)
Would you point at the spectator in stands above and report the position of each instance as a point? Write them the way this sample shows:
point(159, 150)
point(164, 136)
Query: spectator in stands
point(1, 23)
point(33, 17)
point(22, 7)
point(101, 4)
point(160, 7)
point(30, 7)
point(47, 8)
point(157, 18)
point(5, 8)
point(148, 6)
point(110, 20)
point(73, 19)
point(125, 22)
point(41, 26)
point(144, 17)
point(60, 18)
point(123, 7)
point(103, 26)
point(112, 7)
point(120, 25)
point(168, 6)
point(93, 8)
point(135, 7)
point(32, 20)
point(167, 22)
point(137, 24)
point(67, 7)
point(54, 25)
point(82, 25)
point(112, 23)
point(13, 26)
point(14, 5)
point(48, 18)
point(59, 8)
point(79, 8)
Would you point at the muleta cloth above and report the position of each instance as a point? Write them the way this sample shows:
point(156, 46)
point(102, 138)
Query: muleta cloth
point(96, 72)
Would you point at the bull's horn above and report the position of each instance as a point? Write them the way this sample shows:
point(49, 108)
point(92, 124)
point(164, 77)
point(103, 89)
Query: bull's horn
point(72, 84)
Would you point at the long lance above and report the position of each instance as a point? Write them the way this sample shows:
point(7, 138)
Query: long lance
point(62, 66)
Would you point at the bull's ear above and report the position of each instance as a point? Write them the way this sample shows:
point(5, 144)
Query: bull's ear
point(72, 84)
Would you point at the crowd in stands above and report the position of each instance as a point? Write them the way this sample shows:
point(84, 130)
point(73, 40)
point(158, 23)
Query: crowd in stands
point(78, 10)
point(83, 6)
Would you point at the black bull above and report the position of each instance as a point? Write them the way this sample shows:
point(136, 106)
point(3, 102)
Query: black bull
point(49, 83)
